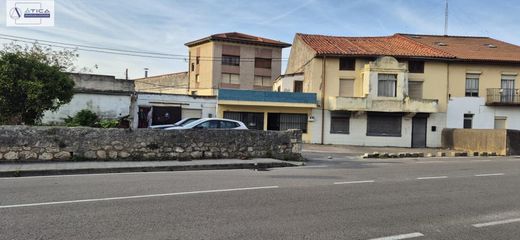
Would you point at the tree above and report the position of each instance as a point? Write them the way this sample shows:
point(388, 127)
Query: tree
point(33, 79)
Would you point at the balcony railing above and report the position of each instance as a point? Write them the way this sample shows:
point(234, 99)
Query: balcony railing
point(503, 96)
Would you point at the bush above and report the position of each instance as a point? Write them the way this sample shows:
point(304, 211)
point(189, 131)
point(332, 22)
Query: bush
point(84, 117)
point(108, 123)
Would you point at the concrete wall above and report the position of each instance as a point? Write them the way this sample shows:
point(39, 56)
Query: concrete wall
point(174, 83)
point(484, 116)
point(104, 105)
point(475, 140)
point(105, 95)
point(19, 143)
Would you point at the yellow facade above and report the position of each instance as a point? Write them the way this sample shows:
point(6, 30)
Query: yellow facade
point(440, 79)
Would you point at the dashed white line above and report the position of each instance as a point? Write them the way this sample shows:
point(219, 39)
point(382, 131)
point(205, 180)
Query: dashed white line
point(489, 174)
point(354, 182)
point(427, 178)
point(135, 197)
point(401, 236)
point(479, 225)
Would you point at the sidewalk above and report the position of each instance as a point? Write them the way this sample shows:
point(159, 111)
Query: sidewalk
point(67, 168)
point(350, 150)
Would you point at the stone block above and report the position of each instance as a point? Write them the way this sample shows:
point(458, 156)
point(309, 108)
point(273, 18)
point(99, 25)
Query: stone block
point(112, 154)
point(484, 154)
point(196, 154)
point(11, 155)
point(90, 155)
point(123, 154)
point(441, 154)
point(62, 155)
point(179, 149)
point(101, 154)
point(28, 155)
point(46, 156)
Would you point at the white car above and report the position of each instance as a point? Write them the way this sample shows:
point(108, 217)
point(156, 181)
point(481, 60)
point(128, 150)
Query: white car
point(177, 124)
point(211, 123)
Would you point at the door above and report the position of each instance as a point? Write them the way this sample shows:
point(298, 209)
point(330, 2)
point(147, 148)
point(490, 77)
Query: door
point(508, 90)
point(419, 125)
point(143, 117)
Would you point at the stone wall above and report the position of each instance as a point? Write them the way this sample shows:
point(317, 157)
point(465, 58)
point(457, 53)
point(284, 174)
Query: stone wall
point(23, 143)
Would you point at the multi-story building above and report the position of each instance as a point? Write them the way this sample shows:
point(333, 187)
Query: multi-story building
point(233, 61)
point(402, 90)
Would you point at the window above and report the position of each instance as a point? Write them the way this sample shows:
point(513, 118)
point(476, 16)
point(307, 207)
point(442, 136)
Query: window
point(197, 78)
point(384, 124)
point(208, 124)
point(416, 66)
point(279, 88)
point(468, 121)
point(230, 60)
point(263, 81)
point(346, 87)
point(348, 64)
point(500, 122)
point(228, 124)
point(507, 91)
point(263, 63)
point(472, 85)
point(340, 122)
point(285, 121)
point(387, 85)
point(197, 60)
point(251, 119)
point(192, 67)
point(298, 86)
point(415, 89)
point(230, 78)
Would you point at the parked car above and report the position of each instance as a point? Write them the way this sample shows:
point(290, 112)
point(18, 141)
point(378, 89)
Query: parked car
point(182, 122)
point(211, 123)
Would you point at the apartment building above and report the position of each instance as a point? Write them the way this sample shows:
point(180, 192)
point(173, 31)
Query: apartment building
point(402, 90)
point(233, 61)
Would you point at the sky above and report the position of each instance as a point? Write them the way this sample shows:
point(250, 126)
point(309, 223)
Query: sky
point(165, 25)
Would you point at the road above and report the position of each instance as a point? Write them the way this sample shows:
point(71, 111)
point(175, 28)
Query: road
point(338, 198)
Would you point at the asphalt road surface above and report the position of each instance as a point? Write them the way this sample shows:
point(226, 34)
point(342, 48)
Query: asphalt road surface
point(338, 198)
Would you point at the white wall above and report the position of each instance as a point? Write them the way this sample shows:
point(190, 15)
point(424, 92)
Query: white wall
point(105, 106)
point(208, 105)
point(484, 116)
point(358, 130)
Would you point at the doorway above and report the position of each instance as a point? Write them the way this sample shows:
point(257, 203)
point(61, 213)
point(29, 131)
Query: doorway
point(419, 127)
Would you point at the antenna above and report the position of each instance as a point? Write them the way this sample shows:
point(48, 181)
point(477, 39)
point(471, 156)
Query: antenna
point(446, 19)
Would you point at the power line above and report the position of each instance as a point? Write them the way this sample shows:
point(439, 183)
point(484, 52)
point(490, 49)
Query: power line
point(119, 51)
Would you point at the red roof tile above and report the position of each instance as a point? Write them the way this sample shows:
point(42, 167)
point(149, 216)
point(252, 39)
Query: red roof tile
point(417, 46)
point(239, 38)
point(471, 48)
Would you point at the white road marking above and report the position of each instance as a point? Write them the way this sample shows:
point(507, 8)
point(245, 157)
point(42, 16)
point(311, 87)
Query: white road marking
point(489, 174)
point(426, 178)
point(353, 182)
point(479, 225)
point(401, 236)
point(136, 197)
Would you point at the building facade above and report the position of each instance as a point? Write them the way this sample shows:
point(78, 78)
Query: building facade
point(233, 61)
point(402, 90)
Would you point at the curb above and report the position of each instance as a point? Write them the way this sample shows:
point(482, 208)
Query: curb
point(422, 155)
point(50, 172)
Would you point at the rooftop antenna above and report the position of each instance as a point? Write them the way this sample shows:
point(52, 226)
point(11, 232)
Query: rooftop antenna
point(446, 19)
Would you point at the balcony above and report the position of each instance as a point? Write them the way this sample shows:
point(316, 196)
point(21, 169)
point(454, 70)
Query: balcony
point(383, 105)
point(503, 97)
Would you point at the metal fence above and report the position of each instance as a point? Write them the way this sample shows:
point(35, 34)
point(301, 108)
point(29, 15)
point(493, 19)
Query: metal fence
point(503, 96)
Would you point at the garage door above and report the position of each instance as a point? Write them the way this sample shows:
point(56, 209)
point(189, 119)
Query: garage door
point(191, 113)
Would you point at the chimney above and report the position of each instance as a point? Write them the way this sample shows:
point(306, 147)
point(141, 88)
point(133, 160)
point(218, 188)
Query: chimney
point(146, 72)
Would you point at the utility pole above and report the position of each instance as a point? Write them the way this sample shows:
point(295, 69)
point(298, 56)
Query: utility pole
point(126, 74)
point(446, 19)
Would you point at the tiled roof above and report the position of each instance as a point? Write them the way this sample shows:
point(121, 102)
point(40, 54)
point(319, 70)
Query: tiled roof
point(471, 48)
point(239, 38)
point(417, 46)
